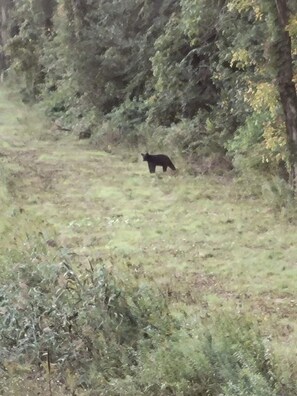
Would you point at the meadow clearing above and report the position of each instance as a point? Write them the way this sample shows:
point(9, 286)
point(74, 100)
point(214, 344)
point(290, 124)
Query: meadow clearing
point(200, 240)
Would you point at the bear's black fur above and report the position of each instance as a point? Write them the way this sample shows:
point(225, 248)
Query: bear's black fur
point(158, 160)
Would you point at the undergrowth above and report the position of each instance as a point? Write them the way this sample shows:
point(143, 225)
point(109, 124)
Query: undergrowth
point(95, 332)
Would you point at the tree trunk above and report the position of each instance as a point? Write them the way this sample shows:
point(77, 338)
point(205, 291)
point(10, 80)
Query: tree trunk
point(48, 8)
point(286, 86)
point(3, 34)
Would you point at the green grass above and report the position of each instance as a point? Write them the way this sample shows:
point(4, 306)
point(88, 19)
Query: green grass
point(192, 236)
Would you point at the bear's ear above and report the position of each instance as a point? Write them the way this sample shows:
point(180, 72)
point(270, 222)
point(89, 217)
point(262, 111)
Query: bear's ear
point(143, 154)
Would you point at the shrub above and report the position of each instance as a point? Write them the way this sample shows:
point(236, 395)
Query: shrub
point(86, 323)
point(97, 333)
point(212, 359)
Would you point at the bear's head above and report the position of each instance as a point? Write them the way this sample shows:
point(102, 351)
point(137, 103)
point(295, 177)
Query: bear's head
point(145, 156)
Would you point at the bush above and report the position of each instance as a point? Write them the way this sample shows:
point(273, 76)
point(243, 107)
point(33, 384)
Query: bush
point(93, 330)
point(88, 323)
point(279, 195)
point(259, 144)
point(212, 359)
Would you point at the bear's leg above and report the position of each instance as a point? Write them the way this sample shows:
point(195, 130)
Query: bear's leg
point(152, 167)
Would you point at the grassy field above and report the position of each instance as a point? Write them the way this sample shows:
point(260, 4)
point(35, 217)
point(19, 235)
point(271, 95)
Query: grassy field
point(194, 237)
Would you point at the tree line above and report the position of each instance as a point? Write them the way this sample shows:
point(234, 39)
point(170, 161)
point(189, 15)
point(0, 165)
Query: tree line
point(210, 77)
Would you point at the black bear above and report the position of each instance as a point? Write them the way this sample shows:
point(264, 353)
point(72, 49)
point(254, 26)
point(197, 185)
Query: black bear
point(86, 134)
point(158, 160)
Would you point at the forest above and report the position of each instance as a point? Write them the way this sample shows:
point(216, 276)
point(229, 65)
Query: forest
point(118, 282)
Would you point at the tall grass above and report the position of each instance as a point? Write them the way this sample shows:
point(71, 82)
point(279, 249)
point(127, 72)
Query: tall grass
point(101, 331)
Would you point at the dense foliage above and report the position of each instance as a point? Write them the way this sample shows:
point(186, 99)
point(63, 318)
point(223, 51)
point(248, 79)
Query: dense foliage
point(211, 67)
